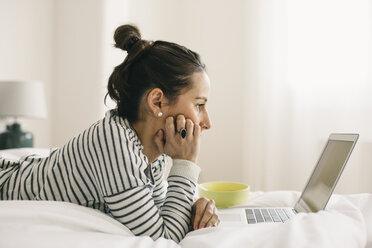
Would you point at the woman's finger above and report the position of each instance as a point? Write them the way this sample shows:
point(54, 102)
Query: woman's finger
point(159, 140)
point(197, 130)
point(169, 128)
point(208, 213)
point(198, 210)
point(181, 123)
point(189, 128)
point(214, 220)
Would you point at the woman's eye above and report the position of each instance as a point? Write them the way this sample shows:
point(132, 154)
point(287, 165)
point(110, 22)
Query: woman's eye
point(199, 106)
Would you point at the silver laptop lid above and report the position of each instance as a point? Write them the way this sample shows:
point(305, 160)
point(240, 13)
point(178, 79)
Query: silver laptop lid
point(327, 171)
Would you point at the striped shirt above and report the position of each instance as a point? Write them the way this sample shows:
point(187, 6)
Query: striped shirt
point(104, 168)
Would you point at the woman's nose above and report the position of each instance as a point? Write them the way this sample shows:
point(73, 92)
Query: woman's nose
point(206, 122)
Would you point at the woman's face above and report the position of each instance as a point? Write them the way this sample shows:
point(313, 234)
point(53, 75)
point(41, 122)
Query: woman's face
point(193, 102)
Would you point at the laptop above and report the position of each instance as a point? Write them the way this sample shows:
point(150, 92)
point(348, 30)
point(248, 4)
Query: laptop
point(317, 192)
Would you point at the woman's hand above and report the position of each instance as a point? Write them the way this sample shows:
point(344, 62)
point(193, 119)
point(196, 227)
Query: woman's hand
point(171, 143)
point(204, 214)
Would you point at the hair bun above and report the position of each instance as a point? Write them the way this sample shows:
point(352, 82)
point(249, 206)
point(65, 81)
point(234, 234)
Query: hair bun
point(126, 36)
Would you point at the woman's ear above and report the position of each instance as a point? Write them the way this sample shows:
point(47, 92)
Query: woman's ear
point(155, 99)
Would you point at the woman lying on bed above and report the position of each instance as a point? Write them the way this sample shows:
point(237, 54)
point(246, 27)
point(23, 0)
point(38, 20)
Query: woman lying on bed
point(117, 164)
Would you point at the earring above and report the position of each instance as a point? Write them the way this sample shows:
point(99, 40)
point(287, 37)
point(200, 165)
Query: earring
point(160, 114)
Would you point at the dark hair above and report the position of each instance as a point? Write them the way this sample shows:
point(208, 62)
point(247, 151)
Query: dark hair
point(149, 65)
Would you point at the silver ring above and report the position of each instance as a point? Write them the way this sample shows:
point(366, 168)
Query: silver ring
point(183, 133)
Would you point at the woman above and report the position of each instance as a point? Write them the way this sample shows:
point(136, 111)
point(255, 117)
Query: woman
point(117, 165)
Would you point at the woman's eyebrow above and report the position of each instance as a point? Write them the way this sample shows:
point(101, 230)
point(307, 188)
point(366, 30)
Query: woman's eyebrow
point(201, 98)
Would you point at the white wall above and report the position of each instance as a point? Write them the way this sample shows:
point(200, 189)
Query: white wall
point(216, 34)
point(260, 76)
point(77, 95)
point(309, 74)
point(26, 53)
point(59, 43)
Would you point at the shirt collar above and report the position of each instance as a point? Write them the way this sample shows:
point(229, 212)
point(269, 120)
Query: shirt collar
point(132, 135)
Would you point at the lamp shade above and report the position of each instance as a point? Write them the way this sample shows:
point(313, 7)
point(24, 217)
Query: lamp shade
point(22, 99)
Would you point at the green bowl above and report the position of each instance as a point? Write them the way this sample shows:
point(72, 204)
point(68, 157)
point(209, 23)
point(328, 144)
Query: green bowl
point(225, 194)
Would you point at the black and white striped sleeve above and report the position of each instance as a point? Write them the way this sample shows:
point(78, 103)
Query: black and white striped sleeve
point(129, 194)
point(136, 208)
point(160, 187)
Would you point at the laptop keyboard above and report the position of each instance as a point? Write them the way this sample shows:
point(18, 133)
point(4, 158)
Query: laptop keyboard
point(262, 215)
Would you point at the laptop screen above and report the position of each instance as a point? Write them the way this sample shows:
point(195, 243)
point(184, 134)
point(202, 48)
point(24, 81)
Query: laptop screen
point(327, 171)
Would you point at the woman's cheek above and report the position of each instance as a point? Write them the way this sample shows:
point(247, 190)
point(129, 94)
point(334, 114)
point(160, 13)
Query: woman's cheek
point(193, 117)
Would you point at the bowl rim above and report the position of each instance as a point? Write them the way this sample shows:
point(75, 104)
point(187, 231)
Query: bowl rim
point(205, 189)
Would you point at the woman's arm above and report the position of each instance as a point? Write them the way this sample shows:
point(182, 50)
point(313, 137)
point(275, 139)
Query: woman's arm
point(158, 168)
point(204, 211)
point(127, 191)
point(136, 208)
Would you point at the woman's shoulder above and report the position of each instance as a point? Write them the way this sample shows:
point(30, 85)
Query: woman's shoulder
point(104, 128)
point(105, 132)
point(118, 127)
point(113, 120)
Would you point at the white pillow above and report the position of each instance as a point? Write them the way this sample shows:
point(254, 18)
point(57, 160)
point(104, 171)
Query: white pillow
point(17, 153)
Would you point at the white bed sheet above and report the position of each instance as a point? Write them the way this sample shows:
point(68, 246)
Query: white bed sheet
point(346, 223)
point(59, 224)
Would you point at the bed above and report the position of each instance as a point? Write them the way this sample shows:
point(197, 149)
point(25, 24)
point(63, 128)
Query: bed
point(346, 223)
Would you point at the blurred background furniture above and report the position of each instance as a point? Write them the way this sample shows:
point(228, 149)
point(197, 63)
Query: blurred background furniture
point(25, 99)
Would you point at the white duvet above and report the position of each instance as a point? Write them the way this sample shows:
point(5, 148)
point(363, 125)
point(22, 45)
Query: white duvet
point(347, 223)
point(37, 224)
